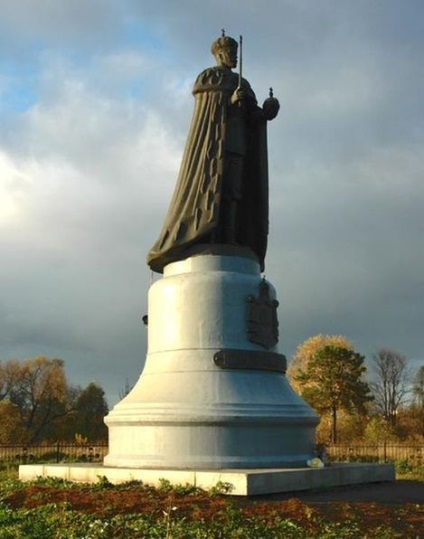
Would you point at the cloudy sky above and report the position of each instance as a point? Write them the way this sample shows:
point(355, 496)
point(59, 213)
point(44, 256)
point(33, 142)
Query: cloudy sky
point(95, 104)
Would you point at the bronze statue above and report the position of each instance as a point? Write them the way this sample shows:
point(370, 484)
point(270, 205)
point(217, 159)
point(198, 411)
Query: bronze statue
point(221, 196)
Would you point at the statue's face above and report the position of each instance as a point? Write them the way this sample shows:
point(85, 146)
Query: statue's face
point(227, 57)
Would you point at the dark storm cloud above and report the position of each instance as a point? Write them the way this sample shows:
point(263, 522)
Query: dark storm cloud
point(88, 167)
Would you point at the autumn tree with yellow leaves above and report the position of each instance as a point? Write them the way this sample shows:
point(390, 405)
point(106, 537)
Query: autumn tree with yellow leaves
point(307, 350)
point(333, 380)
point(37, 403)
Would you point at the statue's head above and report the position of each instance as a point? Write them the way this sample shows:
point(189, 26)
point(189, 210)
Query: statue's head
point(225, 51)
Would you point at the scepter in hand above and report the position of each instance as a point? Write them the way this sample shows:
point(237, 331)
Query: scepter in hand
point(241, 61)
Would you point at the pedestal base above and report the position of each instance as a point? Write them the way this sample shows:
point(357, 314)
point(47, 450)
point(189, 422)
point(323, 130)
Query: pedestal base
point(239, 482)
point(212, 395)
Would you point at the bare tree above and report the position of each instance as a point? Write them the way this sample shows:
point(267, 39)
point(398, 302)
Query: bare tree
point(125, 390)
point(390, 382)
point(9, 374)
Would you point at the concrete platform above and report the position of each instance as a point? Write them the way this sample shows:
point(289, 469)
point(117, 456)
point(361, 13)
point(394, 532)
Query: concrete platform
point(243, 482)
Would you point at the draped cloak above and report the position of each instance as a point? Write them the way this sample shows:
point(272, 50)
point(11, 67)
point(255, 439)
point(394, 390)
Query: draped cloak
point(195, 212)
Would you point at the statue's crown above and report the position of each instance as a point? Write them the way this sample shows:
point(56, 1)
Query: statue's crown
point(223, 42)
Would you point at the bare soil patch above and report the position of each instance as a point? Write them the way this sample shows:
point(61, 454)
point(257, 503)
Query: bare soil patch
point(399, 505)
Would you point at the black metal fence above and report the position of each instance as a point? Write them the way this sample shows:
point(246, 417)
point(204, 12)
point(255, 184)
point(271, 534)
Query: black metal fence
point(413, 455)
point(56, 452)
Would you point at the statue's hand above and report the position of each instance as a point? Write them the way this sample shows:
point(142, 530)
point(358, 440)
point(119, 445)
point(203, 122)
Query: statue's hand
point(239, 98)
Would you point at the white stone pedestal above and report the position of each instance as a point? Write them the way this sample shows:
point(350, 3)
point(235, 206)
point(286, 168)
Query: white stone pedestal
point(192, 419)
point(188, 413)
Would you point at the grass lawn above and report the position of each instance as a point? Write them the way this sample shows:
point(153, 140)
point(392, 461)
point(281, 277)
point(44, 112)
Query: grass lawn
point(55, 509)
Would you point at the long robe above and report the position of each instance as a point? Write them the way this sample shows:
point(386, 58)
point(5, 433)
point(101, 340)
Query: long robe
point(195, 212)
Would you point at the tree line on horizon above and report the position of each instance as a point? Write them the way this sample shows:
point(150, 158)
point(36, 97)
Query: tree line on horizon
point(37, 403)
point(383, 402)
point(379, 403)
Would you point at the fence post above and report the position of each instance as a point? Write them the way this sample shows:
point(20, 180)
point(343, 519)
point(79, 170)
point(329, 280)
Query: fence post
point(58, 452)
